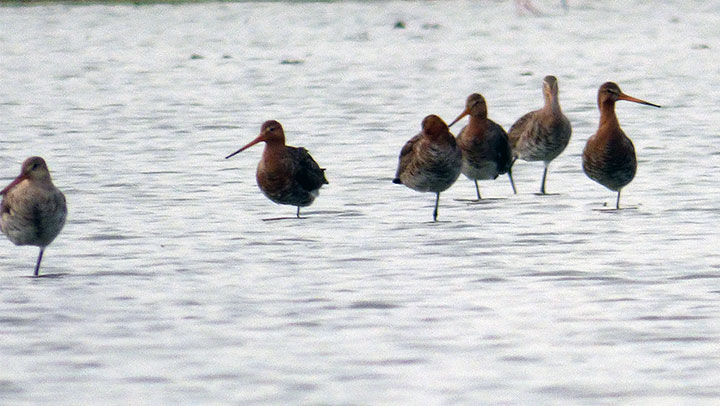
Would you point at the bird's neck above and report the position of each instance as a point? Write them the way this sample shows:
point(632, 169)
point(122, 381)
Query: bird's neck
point(477, 125)
point(274, 151)
point(552, 105)
point(608, 119)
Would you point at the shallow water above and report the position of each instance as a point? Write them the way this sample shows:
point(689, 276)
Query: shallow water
point(167, 287)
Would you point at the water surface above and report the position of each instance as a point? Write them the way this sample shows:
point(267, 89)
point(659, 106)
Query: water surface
point(170, 288)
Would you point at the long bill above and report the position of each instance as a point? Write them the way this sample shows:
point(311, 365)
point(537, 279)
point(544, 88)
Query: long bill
point(12, 184)
point(623, 96)
point(259, 138)
point(463, 114)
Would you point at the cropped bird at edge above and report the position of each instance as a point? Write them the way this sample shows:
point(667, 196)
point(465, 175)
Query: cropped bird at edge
point(484, 144)
point(430, 161)
point(33, 210)
point(609, 155)
point(541, 135)
point(285, 174)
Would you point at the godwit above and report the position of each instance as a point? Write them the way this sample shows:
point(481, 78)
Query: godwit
point(33, 210)
point(285, 174)
point(484, 144)
point(431, 161)
point(609, 155)
point(541, 135)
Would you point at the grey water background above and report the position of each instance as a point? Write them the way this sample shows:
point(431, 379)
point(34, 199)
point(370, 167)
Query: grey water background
point(168, 287)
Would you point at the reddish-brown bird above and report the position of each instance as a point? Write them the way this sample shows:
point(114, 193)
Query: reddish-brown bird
point(541, 135)
point(484, 144)
point(609, 155)
point(430, 161)
point(33, 210)
point(285, 174)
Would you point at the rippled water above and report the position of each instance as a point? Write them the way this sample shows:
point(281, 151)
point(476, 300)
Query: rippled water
point(167, 287)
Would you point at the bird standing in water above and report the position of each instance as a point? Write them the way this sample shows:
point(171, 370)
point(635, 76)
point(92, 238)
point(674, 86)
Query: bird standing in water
point(285, 174)
point(430, 161)
point(541, 135)
point(609, 155)
point(33, 210)
point(484, 144)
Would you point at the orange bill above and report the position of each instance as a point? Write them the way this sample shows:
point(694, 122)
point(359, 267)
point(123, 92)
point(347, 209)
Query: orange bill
point(463, 114)
point(623, 96)
point(260, 138)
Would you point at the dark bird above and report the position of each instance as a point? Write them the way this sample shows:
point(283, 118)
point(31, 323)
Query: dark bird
point(541, 135)
point(33, 210)
point(431, 161)
point(285, 174)
point(484, 144)
point(609, 155)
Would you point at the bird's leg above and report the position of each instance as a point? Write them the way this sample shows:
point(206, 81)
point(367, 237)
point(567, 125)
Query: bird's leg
point(542, 187)
point(437, 202)
point(37, 266)
point(477, 190)
point(512, 183)
point(298, 212)
point(617, 202)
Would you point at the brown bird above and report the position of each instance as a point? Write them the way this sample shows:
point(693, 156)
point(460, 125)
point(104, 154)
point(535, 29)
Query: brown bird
point(285, 174)
point(541, 135)
point(430, 161)
point(33, 210)
point(484, 144)
point(609, 155)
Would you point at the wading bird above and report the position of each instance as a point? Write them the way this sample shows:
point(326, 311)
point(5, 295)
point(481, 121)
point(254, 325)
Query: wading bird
point(541, 135)
point(285, 174)
point(33, 210)
point(609, 155)
point(484, 144)
point(430, 161)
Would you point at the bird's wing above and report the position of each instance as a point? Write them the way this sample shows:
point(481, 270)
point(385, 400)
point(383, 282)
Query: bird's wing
point(500, 144)
point(406, 156)
point(308, 173)
point(518, 128)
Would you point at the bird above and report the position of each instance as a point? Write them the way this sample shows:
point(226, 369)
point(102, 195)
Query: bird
point(33, 210)
point(609, 155)
point(543, 134)
point(286, 175)
point(484, 144)
point(431, 161)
